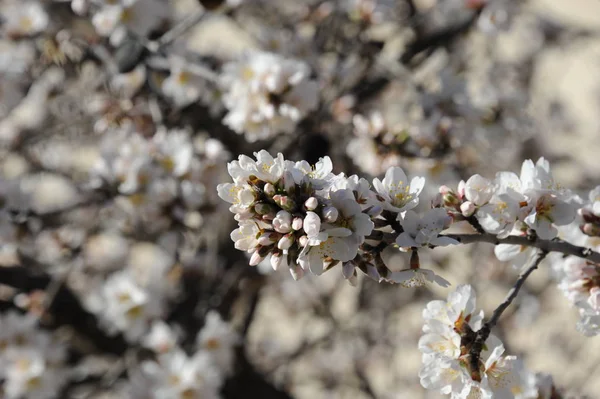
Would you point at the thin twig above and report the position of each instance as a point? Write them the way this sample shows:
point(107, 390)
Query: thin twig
point(536, 242)
point(484, 332)
point(178, 30)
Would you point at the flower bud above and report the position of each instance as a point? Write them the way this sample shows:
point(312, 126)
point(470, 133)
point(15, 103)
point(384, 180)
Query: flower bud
point(297, 223)
point(450, 200)
point(267, 239)
point(285, 202)
point(285, 242)
point(269, 190)
point(303, 241)
point(467, 208)
point(591, 229)
point(276, 260)
point(255, 259)
point(282, 222)
point(311, 203)
point(462, 186)
point(330, 214)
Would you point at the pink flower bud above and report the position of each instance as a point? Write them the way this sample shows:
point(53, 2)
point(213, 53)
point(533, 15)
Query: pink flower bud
point(267, 239)
point(297, 223)
point(303, 241)
point(276, 260)
point(467, 208)
point(255, 259)
point(461, 189)
point(330, 214)
point(311, 203)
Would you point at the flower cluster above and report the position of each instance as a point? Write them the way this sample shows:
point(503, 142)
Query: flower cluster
point(161, 177)
point(31, 359)
point(175, 374)
point(114, 19)
point(310, 219)
point(532, 203)
point(266, 94)
point(448, 334)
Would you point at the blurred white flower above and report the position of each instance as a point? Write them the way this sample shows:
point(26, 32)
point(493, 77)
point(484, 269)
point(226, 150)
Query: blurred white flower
point(218, 339)
point(267, 94)
point(23, 18)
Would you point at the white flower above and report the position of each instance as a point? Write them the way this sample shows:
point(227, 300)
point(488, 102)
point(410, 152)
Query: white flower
point(519, 255)
point(245, 235)
point(314, 258)
point(265, 167)
point(282, 222)
point(138, 16)
point(175, 375)
point(23, 18)
point(217, 338)
point(504, 207)
point(444, 375)
point(548, 211)
point(424, 230)
point(174, 150)
point(30, 376)
point(124, 306)
point(161, 338)
point(479, 190)
point(458, 309)
point(594, 197)
point(182, 86)
point(396, 193)
point(267, 94)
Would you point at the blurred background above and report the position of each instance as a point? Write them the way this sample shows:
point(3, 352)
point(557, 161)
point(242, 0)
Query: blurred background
point(445, 89)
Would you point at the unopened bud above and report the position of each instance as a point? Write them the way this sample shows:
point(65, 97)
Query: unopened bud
point(467, 208)
point(282, 222)
point(255, 259)
point(297, 223)
point(461, 189)
point(268, 239)
point(269, 190)
point(311, 203)
point(285, 242)
point(276, 260)
point(285, 202)
point(303, 241)
point(450, 199)
point(330, 214)
point(591, 229)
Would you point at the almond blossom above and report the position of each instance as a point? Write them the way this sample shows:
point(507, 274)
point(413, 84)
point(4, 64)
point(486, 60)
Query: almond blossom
point(420, 231)
point(396, 193)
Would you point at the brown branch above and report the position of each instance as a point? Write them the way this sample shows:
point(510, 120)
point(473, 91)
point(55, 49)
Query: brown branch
point(483, 334)
point(535, 242)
